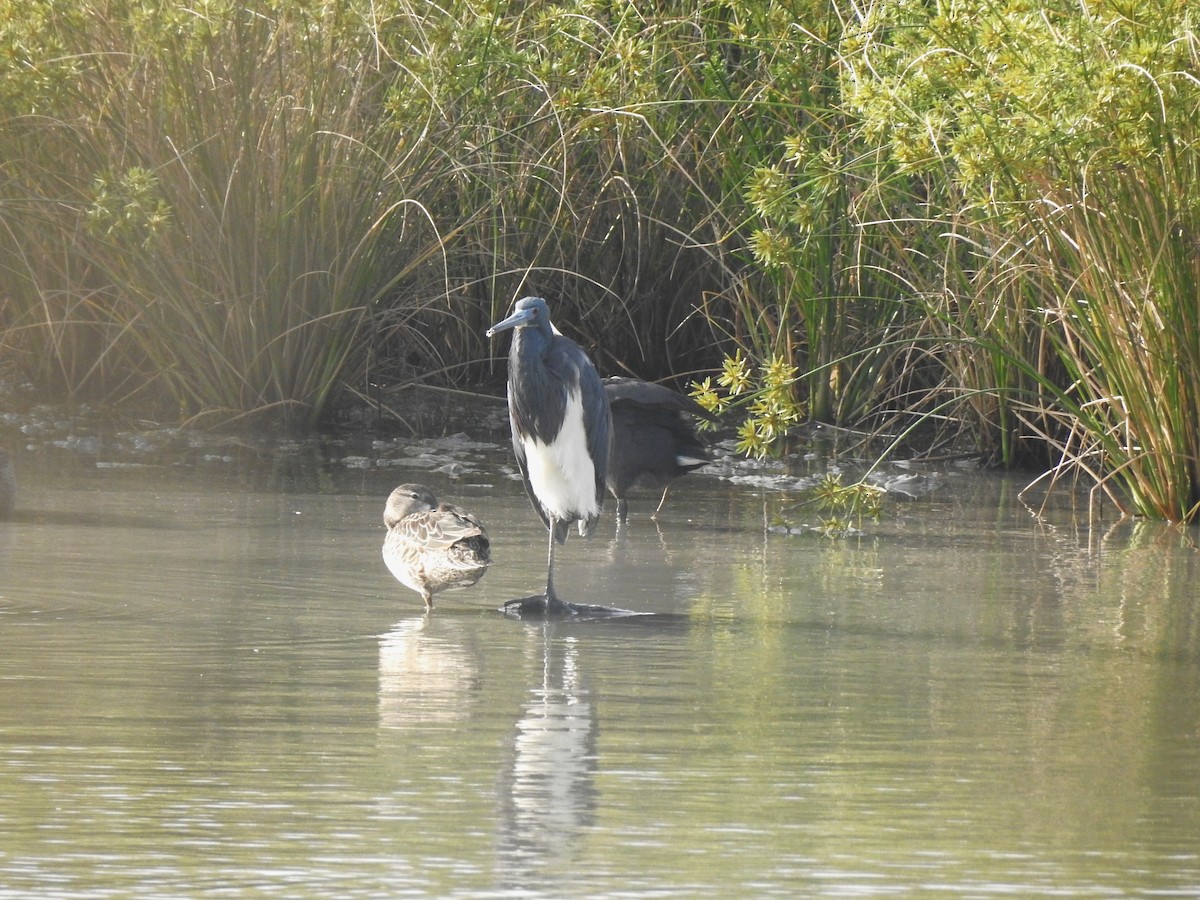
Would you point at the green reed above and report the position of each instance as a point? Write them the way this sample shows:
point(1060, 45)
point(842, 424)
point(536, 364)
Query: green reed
point(586, 165)
point(973, 219)
point(1126, 258)
point(228, 223)
point(1056, 145)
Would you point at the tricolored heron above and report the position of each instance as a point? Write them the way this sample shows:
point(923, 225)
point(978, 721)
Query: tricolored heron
point(654, 438)
point(561, 428)
point(431, 547)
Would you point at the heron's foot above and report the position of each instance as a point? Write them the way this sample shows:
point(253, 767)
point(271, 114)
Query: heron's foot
point(543, 606)
point(539, 606)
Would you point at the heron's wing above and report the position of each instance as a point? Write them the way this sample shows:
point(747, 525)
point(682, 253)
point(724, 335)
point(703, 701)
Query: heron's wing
point(522, 463)
point(597, 422)
point(574, 365)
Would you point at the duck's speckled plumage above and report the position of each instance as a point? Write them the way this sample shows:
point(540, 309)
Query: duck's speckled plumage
point(431, 547)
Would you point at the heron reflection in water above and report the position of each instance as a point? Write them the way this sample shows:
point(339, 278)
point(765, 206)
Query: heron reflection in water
point(549, 793)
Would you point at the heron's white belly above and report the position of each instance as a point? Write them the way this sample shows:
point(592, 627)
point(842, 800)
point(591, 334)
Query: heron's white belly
point(561, 472)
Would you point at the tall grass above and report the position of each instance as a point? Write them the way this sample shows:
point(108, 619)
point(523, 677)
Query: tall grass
point(219, 217)
point(572, 137)
point(1125, 251)
point(1060, 146)
point(875, 212)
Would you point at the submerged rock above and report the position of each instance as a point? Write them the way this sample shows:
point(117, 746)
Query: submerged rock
point(8, 486)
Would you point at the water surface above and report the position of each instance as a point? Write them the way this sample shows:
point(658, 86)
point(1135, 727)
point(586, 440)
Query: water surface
point(210, 685)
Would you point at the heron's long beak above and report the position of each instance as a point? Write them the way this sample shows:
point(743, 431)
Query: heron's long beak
point(520, 317)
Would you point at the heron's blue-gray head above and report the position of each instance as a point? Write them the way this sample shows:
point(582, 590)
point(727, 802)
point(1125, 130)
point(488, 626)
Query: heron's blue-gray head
point(530, 312)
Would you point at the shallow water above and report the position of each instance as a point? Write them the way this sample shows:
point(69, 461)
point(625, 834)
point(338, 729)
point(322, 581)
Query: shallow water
point(210, 684)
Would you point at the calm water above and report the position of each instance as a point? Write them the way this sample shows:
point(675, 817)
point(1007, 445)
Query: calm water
point(211, 686)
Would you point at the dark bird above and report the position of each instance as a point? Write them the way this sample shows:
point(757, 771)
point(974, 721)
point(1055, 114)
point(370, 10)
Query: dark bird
point(561, 428)
point(431, 547)
point(654, 438)
point(8, 486)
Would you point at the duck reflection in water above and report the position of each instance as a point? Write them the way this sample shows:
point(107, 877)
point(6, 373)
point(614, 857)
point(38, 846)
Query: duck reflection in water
point(654, 439)
point(431, 547)
point(428, 672)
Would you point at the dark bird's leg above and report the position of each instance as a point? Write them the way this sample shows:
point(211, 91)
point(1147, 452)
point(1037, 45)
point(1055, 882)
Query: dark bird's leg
point(623, 509)
point(661, 502)
point(622, 520)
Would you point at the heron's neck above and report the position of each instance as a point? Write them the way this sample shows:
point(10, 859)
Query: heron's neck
point(537, 398)
point(529, 344)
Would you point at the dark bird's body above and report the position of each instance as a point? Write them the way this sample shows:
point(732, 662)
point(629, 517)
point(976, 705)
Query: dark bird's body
point(561, 427)
point(431, 547)
point(654, 438)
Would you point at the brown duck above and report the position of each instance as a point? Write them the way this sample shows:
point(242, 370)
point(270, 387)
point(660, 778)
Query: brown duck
point(431, 547)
